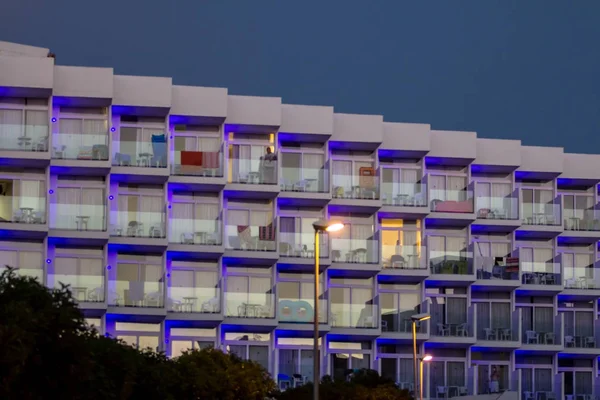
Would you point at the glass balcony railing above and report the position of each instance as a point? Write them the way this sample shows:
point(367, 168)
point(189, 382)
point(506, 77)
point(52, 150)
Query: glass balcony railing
point(18, 137)
point(540, 273)
point(195, 231)
point(451, 200)
point(37, 273)
point(136, 294)
point(496, 322)
point(453, 328)
point(497, 207)
point(544, 332)
point(193, 299)
point(399, 319)
point(257, 171)
point(250, 238)
point(403, 257)
point(312, 180)
point(450, 262)
point(355, 187)
point(581, 278)
point(364, 251)
point(81, 217)
point(83, 146)
point(136, 153)
point(249, 305)
point(581, 220)
point(541, 213)
point(197, 163)
point(88, 287)
point(496, 269)
point(292, 244)
point(348, 315)
point(301, 310)
point(404, 194)
point(23, 209)
point(138, 224)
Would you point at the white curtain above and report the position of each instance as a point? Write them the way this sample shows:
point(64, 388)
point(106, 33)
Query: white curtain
point(124, 215)
point(409, 178)
point(29, 194)
point(69, 138)
point(36, 125)
point(526, 256)
point(69, 200)
point(457, 186)
point(144, 139)
point(183, 220)
point(95, 131)
point(206, 217)
point(92, 205)
point(342, 175)
point(151, 208)
point(11, 128)
point(483, 194)
point(437, 184)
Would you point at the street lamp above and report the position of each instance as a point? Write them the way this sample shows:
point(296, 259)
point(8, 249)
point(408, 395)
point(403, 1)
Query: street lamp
point(320, 226)
point(423, 360)
point(416, 318)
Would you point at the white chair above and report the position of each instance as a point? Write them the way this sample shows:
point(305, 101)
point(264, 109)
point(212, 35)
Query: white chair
point(96, 294)
point(441, 392)
point(550, 396)
point(210, 306)
point(490, 334)
point(590, 341)
point(443, 330)
point(528, 395)
point(532, 337)
point(462, 330)
point(569, 341)
point(187, 238)
point(384, 326)
point(549, 338)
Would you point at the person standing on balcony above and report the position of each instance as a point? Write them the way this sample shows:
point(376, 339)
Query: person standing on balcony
point(268, 167)
point(494, 381)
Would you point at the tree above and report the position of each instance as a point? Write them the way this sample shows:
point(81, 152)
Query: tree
point(48, 351)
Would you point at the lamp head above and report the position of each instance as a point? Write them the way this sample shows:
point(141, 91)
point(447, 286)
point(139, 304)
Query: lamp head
point(420, 317)
point(427, 357)
point(328, 226)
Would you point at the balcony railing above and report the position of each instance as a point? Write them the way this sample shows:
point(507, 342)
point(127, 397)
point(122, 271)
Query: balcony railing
point(250, 237)
point(355, 187)
point(250, 305)
point(355, 250)
point(546, 334)
point(81, 217)
point(195, 231)
point(498, 326)
point(404, 257)
point(301, 310)
point(126, 293)
point(85, 287)
point(37, 273)
point(83, 146)
point(540, 273)
point(312, 180)
point(23, 209)
point(548, 214)
point(193, 299)
point(295, 244)
point(450, 262)
point(451, 329)
point(451, 200)
point(490, 268)
point(400, 321)
point(496, 207)
point(584, 278)
point(151, 153)
point(581, 220)
point(347, 315)
point(404, 194)
point(19, 137)
point(197, 163)
point(257, 171)
point(138, 224)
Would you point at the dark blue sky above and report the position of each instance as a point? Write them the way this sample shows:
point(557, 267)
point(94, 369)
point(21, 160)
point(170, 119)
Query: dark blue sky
point(515, 69)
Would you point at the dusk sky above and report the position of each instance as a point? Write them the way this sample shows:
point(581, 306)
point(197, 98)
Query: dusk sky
point(519, 69)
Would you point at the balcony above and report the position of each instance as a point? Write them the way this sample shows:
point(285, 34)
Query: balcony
point(198, 163)
point(79, 217)
point(359, 251)
point(144, 293)
point(405, 263)
point(581, 278)
point(451, 200)
point(254, 171)
point(498, 272)
point(540, 216)
point(304, 180)
point(250, 305)
point(26, 140)
point(301, 310)
point(195, 231)
point(302, 245)
point(498, 211)
point(544, 334)
point(498, 326)
point(80, 146)
point(451, 263)
point(357, 187)
point(251, 237)
point(398, 320)
point(148, 153)
point(86, 284)
point(400, 194)
point(193, 299)
point(354, 315)
point(23, 213)
point(138, 224)
point(541, 274)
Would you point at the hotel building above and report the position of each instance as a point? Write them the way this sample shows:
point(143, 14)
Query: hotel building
point(181, 217)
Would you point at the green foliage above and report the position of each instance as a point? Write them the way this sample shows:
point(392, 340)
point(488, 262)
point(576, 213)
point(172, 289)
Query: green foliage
point(49, 352)
point(362, 385)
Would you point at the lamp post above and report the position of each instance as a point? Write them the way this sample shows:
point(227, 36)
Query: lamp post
point(426, 358)
point(416, 318)
point(320, 226)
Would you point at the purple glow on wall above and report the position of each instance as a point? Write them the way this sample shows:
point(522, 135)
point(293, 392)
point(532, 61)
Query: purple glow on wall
point(48, 261)
point(108, 267)
point(111, 197)
point(168, 275)
point(50, 191)
point(53, 119)
point(166, 341)
point(112, 129)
